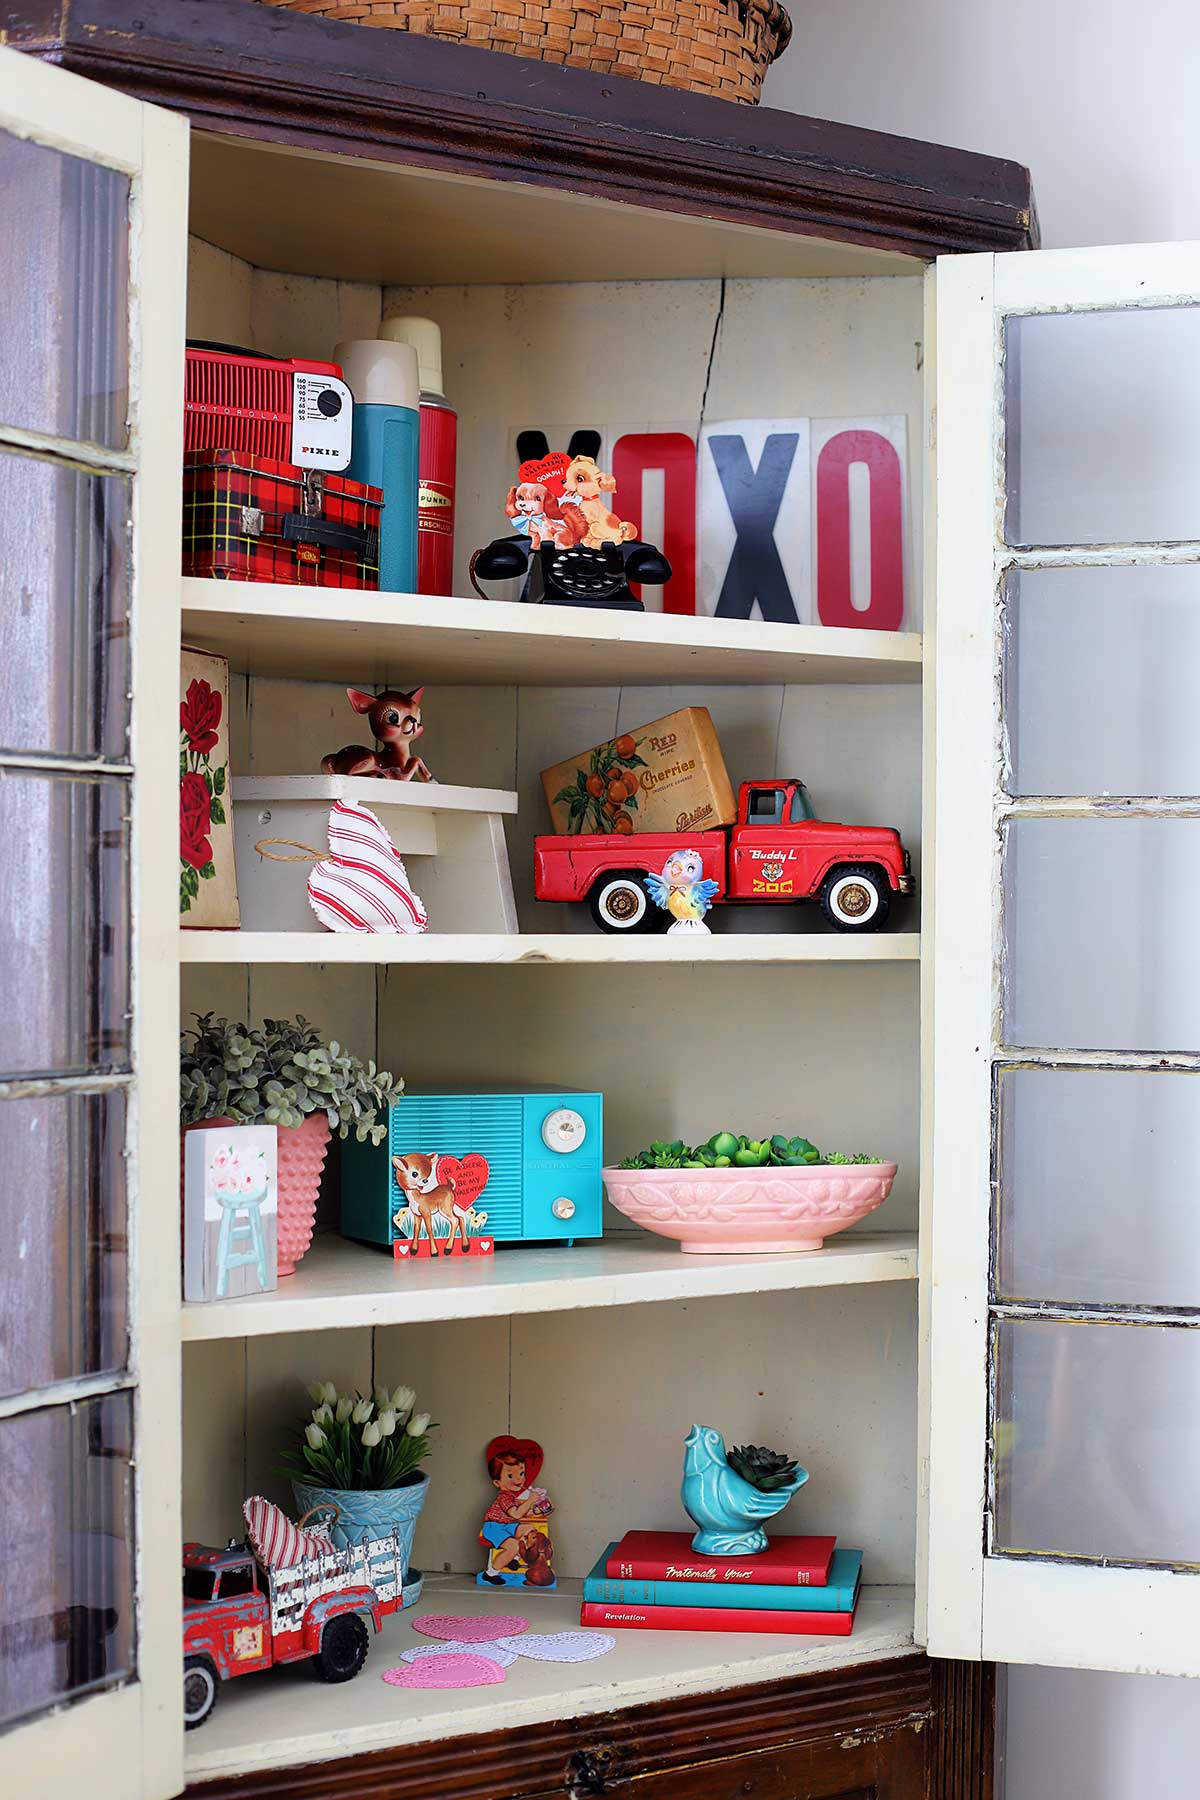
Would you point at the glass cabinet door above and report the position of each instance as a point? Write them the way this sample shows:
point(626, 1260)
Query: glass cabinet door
point(92, 204)
point(1064, 1318)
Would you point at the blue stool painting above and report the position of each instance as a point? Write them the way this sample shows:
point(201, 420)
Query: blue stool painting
point(230, 1211)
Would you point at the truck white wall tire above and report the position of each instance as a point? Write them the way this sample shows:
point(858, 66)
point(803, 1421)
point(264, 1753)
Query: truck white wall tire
point(856, 897)
point(199, 1690)
point(344, 1645)
point(619, 902)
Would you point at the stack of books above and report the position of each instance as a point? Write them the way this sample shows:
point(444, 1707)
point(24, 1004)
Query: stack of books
point(654, 1581)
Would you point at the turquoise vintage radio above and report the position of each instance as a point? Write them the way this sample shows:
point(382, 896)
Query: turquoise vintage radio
point(543, 1151)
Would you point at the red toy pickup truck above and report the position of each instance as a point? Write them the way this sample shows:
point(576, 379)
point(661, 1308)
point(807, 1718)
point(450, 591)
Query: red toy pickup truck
point(239, 1618)
point(778, 852)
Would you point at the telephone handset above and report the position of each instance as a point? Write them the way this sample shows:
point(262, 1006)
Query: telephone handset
point(575, 576)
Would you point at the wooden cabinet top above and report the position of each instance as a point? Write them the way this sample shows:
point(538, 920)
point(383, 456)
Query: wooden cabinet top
point(248, 70)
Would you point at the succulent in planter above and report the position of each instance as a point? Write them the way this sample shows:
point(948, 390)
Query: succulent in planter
point(730, 1494)
point(279, 1075)
point(766, 1470)
point(725, 1151)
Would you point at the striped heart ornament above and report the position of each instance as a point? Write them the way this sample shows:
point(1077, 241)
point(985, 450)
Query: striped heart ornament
point(362, 884)
point(277, 1543)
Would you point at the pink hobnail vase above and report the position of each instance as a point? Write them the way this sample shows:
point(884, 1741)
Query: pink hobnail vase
point(301, 1158)
point(723, 1212)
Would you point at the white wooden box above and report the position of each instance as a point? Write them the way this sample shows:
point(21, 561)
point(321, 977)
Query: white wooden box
point(451, 838)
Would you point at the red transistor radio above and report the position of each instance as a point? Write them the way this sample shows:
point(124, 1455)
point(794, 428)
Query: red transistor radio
point(288, 410)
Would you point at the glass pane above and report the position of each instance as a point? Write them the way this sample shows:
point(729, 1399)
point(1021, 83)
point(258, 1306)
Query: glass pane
point(1097, 1434)
point(63, 1283)
point(1100, 686)
point(1102, 950)
point(64, 924)
point(1101, 409)
point(66, 1498)
point(64, 632)
point(1096, 1177)
point(64, 354)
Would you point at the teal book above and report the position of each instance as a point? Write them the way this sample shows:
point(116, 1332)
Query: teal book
point(839, 1595)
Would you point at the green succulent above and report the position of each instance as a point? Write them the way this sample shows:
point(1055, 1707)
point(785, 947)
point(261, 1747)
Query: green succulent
point(279, 1075)
point(723, 1151)
point(767, 1470)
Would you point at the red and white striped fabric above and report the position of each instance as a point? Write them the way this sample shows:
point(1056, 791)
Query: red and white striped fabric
point(362, 885)
point(277, 1543)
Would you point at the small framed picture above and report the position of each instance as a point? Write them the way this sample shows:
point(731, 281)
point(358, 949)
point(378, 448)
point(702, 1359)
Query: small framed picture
point(230, 1212)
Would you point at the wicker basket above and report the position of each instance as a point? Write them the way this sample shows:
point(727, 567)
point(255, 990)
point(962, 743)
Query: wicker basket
point(721, 47)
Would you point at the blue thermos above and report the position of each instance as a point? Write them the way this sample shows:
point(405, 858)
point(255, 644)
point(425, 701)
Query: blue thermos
point(385, 380)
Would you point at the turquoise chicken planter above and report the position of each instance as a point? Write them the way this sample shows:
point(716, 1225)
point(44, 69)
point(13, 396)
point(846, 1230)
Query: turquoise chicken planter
point(728, 1511)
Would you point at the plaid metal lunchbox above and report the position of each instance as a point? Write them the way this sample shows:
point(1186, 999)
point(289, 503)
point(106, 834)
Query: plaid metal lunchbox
point(247, 518)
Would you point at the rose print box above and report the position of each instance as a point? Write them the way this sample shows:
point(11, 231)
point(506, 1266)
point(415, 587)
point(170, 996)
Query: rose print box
point(207, 878)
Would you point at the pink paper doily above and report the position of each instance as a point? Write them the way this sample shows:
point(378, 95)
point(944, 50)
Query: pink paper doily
point(469, 1628)
point(458, 1670)
point(498, 1650)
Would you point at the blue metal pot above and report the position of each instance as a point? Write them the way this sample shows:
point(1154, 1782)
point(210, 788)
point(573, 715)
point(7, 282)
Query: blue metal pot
point(368, 1513)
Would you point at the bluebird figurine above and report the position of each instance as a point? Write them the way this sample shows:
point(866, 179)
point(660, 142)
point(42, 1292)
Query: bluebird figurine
point(683, 890)
point(728, 1509)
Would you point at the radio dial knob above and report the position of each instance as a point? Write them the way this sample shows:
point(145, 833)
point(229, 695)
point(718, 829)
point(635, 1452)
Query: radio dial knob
point(563, 1208)
point(563, 1131)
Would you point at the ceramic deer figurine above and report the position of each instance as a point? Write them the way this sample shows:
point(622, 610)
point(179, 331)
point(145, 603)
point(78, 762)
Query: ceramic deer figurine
point(395, 721)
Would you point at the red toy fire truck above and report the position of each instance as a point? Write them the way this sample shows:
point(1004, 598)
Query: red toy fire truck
point(777, 853)
point(240, 1616)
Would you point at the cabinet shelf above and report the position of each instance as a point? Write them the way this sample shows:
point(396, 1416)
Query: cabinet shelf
point(340, 1284)
point(327, 634)
point(284, 1717)
point(314, 948)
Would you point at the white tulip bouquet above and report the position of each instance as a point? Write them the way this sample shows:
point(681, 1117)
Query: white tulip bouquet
point(352, 1442)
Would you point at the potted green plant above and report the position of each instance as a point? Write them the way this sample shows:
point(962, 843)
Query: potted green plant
point(283, 1074)
point(362, 1455)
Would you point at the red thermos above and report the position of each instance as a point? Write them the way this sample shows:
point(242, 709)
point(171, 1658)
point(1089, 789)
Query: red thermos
point(436, 458)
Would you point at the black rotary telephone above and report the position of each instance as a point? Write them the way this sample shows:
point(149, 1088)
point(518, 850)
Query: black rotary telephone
point(577, 575)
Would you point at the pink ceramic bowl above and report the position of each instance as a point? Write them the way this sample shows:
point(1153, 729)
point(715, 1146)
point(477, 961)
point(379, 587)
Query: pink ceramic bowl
point(731, 1211)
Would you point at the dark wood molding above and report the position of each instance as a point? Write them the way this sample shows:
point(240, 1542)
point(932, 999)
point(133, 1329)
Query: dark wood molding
point(963, 1741)
point(908, 1721)
point(238, 67)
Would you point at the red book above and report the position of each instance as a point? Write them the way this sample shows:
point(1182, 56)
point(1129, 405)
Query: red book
point(715, 1618)
point(668, 1556)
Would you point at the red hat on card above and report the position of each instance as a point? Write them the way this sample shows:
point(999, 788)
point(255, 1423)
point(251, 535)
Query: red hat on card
point(531, 1454)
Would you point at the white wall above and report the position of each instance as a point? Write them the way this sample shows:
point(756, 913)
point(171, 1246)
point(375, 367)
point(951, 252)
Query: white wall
point(1109, 1737)
point(1097, 97)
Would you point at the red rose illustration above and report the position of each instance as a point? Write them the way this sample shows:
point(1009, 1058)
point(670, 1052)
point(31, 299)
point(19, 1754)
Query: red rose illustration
point(199, 716)
point(195, 815)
